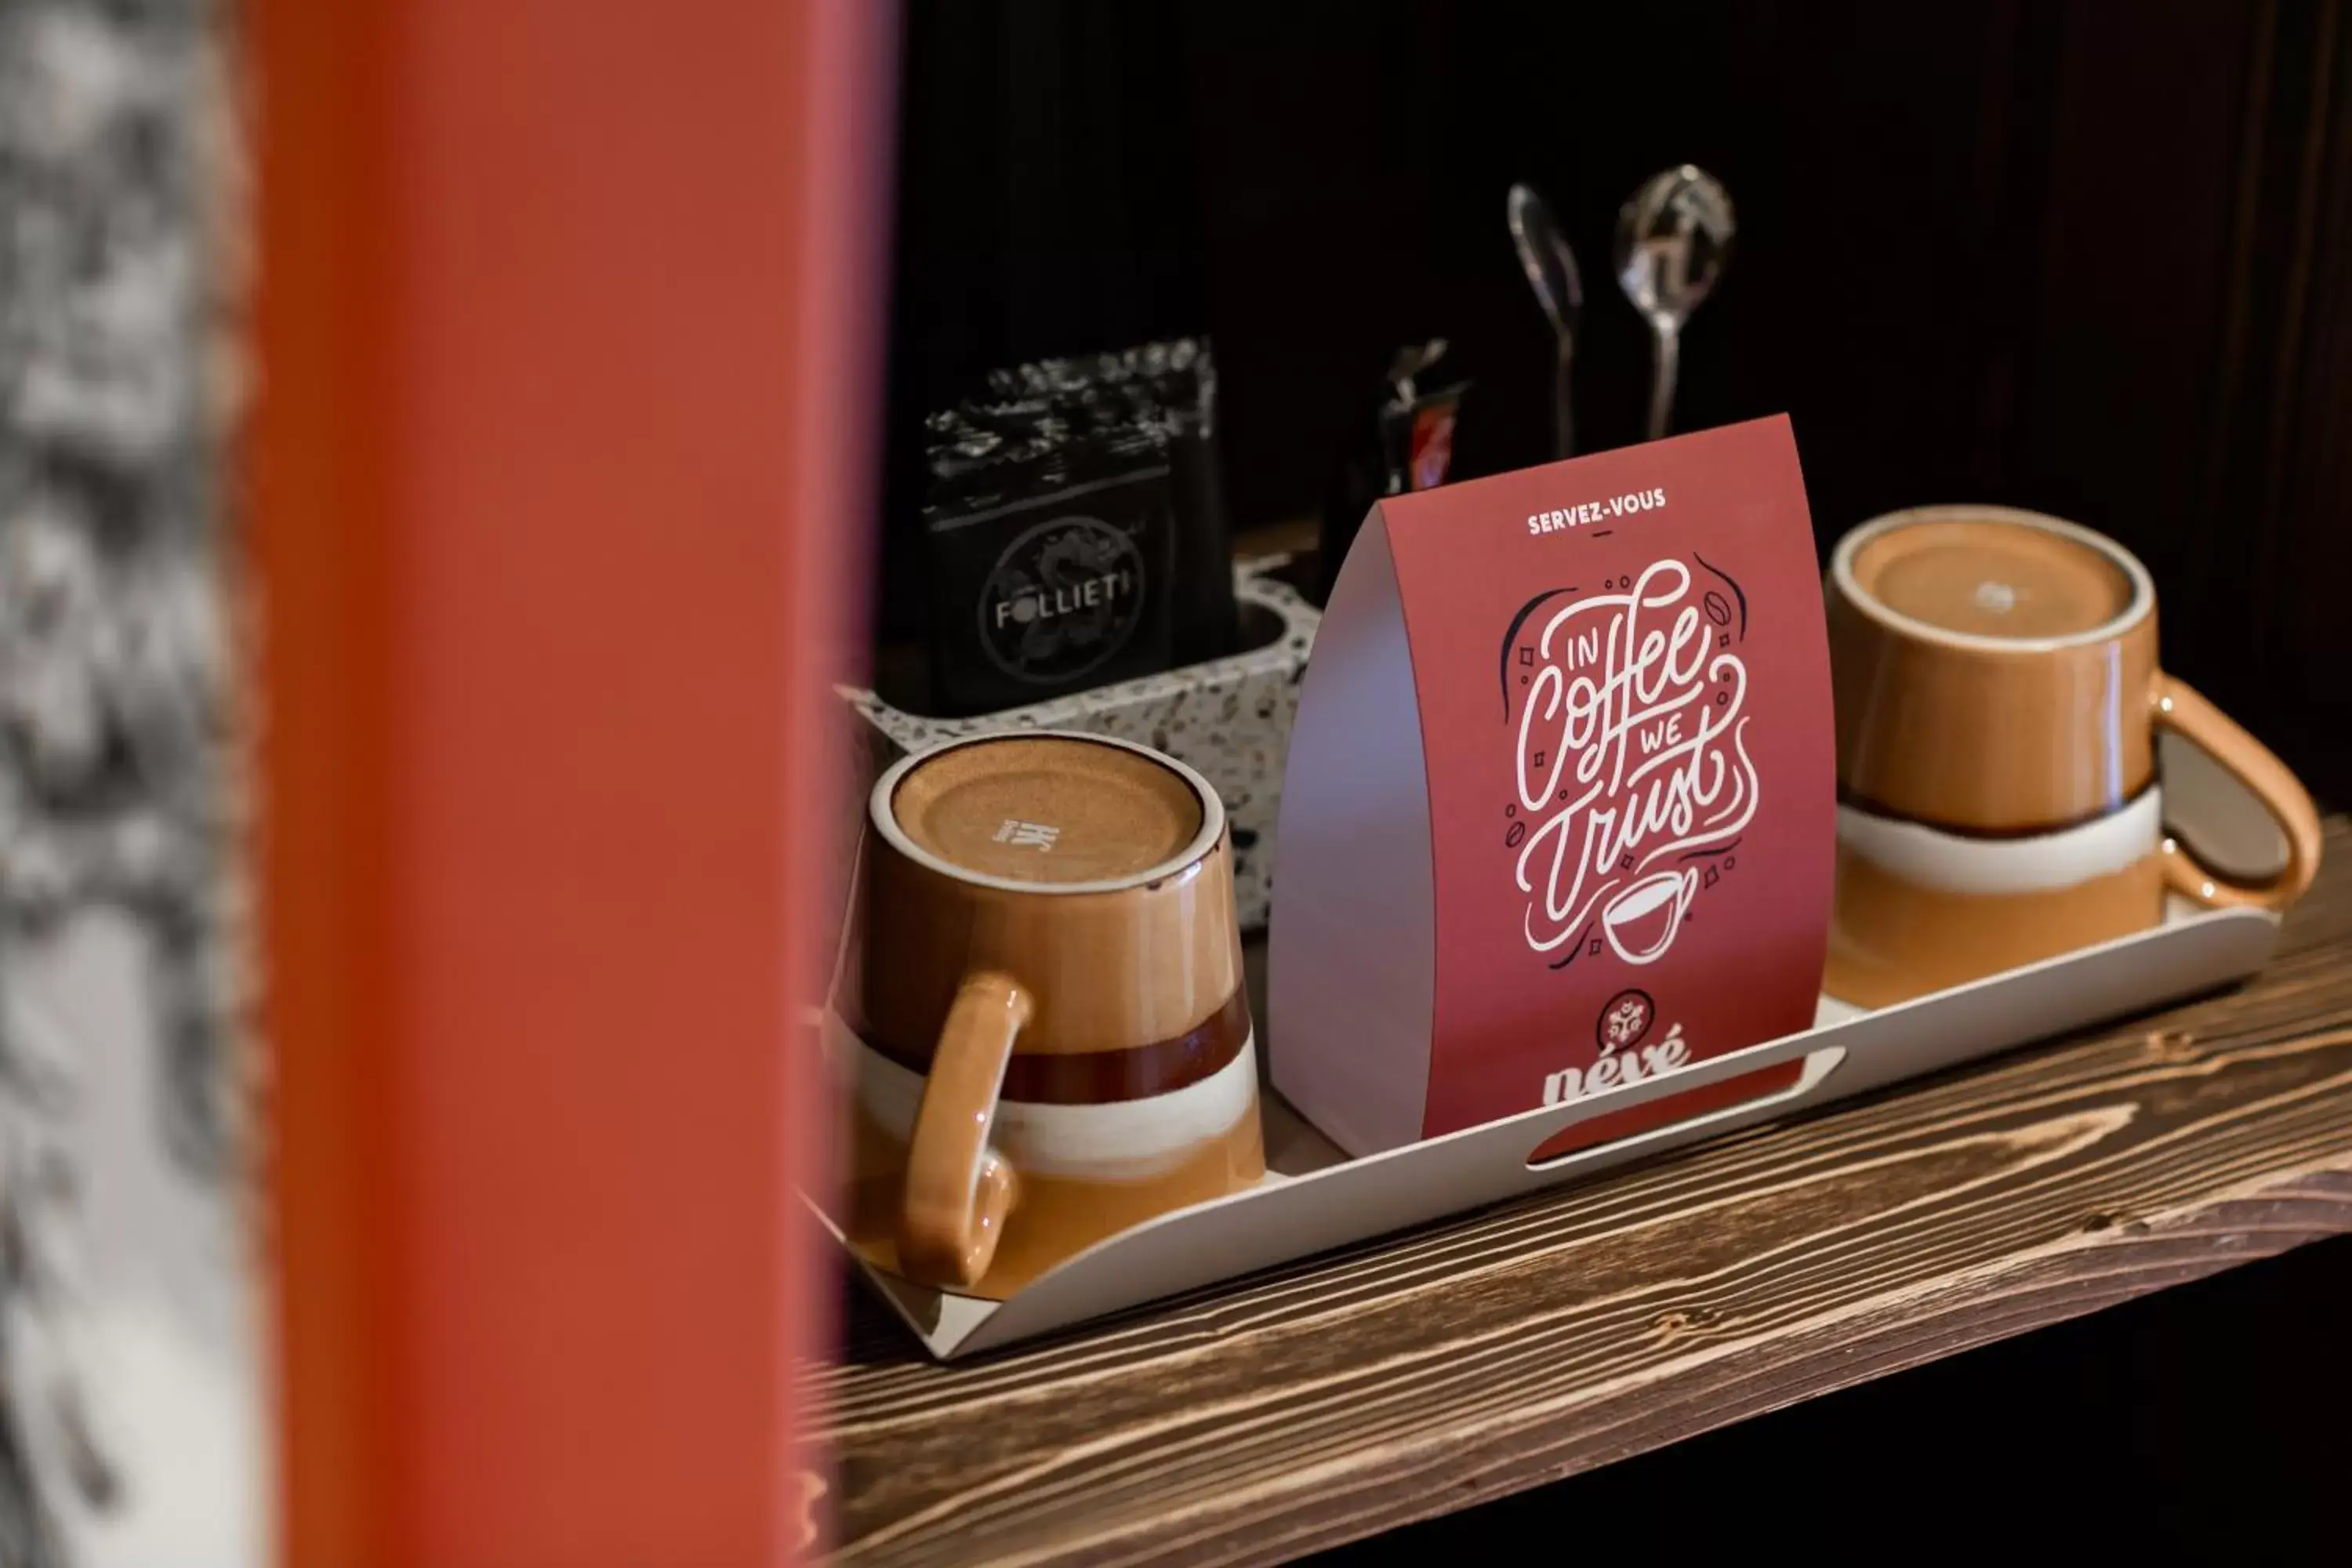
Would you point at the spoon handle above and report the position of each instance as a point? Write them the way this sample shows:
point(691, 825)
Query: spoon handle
point(1662, 380)
point(1563, 418)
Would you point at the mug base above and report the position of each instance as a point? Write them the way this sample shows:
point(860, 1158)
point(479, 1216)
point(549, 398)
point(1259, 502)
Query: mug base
point(1892, 940)
point(1053, 1217)
point(1081, 1173)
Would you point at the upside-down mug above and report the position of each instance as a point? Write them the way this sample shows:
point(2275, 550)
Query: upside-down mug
point(1998, 696)
point(1042, 1002)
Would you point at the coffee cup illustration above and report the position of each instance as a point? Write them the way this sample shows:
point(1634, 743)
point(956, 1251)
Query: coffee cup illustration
point(1641, 921)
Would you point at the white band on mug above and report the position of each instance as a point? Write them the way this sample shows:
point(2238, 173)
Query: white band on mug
point(2042, 862)
point(1126, 1140)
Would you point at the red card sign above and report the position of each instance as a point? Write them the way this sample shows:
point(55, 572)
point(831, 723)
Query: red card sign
point(1620, 678)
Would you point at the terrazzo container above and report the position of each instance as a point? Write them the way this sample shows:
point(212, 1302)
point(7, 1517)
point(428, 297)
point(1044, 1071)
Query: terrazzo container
point(1230, 717)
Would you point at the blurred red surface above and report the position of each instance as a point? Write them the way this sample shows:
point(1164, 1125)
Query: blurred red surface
point(568, 336)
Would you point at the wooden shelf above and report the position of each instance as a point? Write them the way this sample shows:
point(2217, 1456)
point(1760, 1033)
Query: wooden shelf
point(1407, 1378)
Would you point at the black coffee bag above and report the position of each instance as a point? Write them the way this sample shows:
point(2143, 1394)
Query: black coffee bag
point(1050, 540)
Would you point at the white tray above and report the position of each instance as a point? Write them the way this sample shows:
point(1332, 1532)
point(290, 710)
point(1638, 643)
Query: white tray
point(1316, 1198)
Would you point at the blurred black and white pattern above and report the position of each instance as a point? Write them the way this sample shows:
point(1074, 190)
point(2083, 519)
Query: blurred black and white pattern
point(131, 1394)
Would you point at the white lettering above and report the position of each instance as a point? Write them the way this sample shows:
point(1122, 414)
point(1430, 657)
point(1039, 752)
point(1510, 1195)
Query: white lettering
point(1611, 783)
point(1590, 511)
point(1038, 836)
point(1669, 1055)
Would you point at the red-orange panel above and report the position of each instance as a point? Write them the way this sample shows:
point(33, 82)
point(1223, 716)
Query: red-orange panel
point(569, 376)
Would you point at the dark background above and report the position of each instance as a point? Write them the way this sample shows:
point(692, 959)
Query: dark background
point(2091, 258)
point(2203, 1424)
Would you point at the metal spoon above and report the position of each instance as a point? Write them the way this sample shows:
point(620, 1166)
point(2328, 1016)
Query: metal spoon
point(1551, 272)
point(1673, 239)
point(1410, 362)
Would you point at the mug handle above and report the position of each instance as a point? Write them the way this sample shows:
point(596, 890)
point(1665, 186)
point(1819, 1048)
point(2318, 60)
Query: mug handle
point(959, 1189)
point(2179, 708)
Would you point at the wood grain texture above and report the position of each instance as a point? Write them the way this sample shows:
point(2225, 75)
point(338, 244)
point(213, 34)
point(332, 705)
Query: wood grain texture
point(1387, 1383)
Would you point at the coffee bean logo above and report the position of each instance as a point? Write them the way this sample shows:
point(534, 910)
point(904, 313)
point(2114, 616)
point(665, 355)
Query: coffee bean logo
point(1624, 1020)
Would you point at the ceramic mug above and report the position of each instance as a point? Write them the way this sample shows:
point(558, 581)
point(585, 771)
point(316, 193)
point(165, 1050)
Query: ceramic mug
point(1043, 1003)
point(1998, 699)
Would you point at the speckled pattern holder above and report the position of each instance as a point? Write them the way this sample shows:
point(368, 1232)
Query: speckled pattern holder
point(1230, 717)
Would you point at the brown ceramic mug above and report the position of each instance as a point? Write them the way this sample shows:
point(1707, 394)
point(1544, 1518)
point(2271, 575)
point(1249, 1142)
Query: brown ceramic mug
point(1998, 699)
point(1045, 1004)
